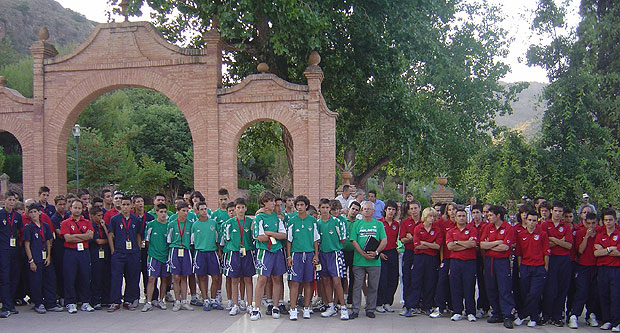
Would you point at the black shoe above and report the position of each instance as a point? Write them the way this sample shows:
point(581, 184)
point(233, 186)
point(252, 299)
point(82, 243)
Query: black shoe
point(508, 323)
point(353, 315)
point(14, 311)
point(494, 320)
point(558, 323)
point(321, 308)
point(19, 302)
point(269, 309)
point(370, 314)
point(283, 309)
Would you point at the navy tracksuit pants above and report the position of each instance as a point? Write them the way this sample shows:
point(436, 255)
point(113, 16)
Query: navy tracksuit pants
point(423, 281)
point(463, 285)
point(388, 280)
point(408, 277)
point(17, 263)
point(609, 294)
point(125, 265)
point(586, 291)
point(58, 254)
point(483, 301)
point(100, 285)
point(76, 270)
point(5, 280)
point(532, 280)
point(442, 292)
point(556, 288)
point(498, 280)
point(42, 285)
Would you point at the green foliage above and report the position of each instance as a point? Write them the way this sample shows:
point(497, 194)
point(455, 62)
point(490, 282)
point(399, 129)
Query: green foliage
point(2, 158)
point(245, 184)
point(252, 208)
point(8, 55)
point(152, 177)
point(19, 75)
point(186, 170)
point(13, 167)
point(255, 191)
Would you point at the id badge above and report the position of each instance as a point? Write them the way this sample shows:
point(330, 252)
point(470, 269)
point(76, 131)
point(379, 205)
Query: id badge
point(180, 253)
point(80, 246)
point(12, 242)
point(44, 255)
point(318, 267)
point(273, 240)
point(242, 251)
point(143, 244)
point(128, 245)
point(101, 254)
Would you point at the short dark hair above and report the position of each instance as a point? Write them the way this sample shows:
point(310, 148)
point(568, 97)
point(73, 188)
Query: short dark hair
point(59, 198)
point(408, 193)
point(97, 199)
point(83, 191)
point(607, 212)
point(241, 201)
point(355, 203)
point(557, 204)
point(390, 203)
point(303, 199)
point(287, 196)
point(265, 196)
point(230, 205)
point(373, 192)
point(498, 210)
point(126, 198)
point(105, 190)
point(43, 189)
point(222, 191)
point(159, 194)
point(534, 213)
point(201, 203)
point(461, 208)
point(94, 210)
point(335, 205)
point(136, 197)
point(323, 201)
point(590, 216)
point(345, 187)
point(181, 204)
point(197, 194)
point(161, 206)
point(32, 206)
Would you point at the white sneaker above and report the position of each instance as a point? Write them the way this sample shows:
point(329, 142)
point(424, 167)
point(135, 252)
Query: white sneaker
point(331, 311)
point(388, 308)
point(186, 306)
point(229, 305)
point(255, 314)
point(275, 313)
point(243, 306)
point(518, 321)
point(592, 320)
point(218, 297)
point(234, 310)
point(572, 322)
point(471, 317)
point(403, 312)
point(86, 307)
point(147, 307)
point(606, 326)
point(307, 312)
point(292, 314)
point(177, 306)
point(436, 313)
point(263, 302)
point(531, 323)
point(456, 317)
point(71, 308)
point(616, 329)
point(162, 305)
point(380, 309)
point(344, 313)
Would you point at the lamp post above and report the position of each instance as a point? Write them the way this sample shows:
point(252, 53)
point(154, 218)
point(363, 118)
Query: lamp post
point(76, 135)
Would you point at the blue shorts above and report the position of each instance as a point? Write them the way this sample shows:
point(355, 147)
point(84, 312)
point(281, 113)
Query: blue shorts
point(332, 264)
point(236, 266)
point(180, 265)
point(269, 263)
point(206, 263)
point(156, 268)
point(302, 269)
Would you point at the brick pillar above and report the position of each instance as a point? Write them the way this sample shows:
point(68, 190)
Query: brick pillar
point(312, 179)
point(40, 51)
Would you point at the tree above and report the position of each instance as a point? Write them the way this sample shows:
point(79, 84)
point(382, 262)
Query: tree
point(407, 78)
point(152, 177)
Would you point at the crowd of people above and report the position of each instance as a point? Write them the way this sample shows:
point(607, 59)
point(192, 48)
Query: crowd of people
point(541, 268)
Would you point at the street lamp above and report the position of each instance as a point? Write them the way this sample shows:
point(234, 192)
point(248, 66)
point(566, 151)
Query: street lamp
point(76, 135)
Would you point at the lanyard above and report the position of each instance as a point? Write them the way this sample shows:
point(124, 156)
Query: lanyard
point(76, 224)
point(42, 233)
point(126, 224)
point(182, 232)
point(100, 230)
point(241, 228)
point(143, 221)
point(11, 219)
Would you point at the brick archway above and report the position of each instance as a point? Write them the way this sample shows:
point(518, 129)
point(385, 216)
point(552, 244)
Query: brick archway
point(134, 54)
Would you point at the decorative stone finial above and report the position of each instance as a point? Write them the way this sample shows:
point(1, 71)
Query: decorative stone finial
point(124, 5)
point(262, 67)
point(44, 34)
point(215, 23)
point(3, 81)
point(314, 58)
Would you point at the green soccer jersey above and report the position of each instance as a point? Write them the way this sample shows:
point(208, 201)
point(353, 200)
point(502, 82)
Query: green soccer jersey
point(332, 232)
point(289, 215)
point(348, 245)
point(231, 234)
point(220, 216)
point(267, 222)
point(205, 235)
point(154, 213)
point(302, 233)
point(155, 235)
point(360, 233)
point(175, 230)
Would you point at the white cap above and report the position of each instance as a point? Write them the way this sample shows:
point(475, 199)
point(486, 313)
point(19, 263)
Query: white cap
point(585, 195)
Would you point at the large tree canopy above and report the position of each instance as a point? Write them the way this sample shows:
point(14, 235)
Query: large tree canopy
point(415, 83)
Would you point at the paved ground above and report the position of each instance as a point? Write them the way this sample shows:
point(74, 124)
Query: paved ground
point(219, 321)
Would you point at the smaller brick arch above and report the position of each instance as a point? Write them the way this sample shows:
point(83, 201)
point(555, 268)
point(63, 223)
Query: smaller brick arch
point(20, 125)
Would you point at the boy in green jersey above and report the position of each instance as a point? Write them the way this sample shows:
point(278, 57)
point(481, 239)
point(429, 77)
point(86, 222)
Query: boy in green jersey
point(180, 258)
point(289, 206)
point(204, 237)
point(267, 229)
point(354, 209)
point(239, 255)
point(157, 247)
point(302, 249)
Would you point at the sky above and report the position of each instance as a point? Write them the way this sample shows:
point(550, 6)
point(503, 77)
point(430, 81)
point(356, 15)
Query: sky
point(518, 14)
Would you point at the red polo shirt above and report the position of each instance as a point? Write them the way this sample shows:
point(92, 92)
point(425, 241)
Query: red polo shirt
point(71, 226)
point(533, 247)
point(605, 240)
point(391, 233)
point(110, 214)
point(432, 235)
point(445, 226)
point(505, 233)
point(468, 233)
point(407, 226)
point(562, 230)
point(587, 258)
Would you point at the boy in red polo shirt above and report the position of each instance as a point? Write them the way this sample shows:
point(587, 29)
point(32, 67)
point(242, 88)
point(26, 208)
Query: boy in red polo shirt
point(77, 232)
point(478, 222)
point(558, 278)
point(586, 291)
point(409, 220)
point(461, 241)
point(442, 292)
point(533, 261)
point(606, 250)
point(388, 281)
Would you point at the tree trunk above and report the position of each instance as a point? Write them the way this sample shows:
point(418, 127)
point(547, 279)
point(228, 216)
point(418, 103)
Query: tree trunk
point(287, 139)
